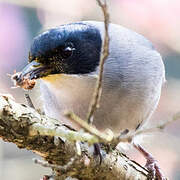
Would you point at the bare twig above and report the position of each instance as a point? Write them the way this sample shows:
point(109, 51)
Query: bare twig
point(54, 166)
point(123, 137)
point(105, 52)
point(128, 137)
point(89, 128)
point(175, 118)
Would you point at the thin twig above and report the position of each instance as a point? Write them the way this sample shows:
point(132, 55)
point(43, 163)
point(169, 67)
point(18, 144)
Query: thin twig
point(98, 88)
point(123, 137)
point(54, 166)
point(89, 128)
point(175, 118)
point(128, 137)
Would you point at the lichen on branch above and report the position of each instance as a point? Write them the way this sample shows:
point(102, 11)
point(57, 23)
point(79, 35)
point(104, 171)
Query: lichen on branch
point(28, 129)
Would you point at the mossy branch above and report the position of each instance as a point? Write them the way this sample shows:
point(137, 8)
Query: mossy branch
point(28, 129)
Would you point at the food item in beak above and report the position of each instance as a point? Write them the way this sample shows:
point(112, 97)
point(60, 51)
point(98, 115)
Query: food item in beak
point(23, 81)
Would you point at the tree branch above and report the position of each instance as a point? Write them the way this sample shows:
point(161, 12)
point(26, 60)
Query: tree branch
point(28, 129)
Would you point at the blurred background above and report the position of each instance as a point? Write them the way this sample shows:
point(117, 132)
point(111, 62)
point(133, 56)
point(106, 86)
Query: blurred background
point(158, 20)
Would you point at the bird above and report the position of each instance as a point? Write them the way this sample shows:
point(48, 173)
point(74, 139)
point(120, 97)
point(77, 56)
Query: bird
point(65, 59)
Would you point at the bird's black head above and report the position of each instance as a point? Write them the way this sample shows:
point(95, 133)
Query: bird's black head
point(69, 49)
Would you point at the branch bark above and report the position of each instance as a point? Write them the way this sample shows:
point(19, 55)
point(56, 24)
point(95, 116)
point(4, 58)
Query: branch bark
point(28, 129)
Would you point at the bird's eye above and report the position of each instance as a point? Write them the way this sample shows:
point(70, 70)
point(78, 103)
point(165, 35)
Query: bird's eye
point(67, 51)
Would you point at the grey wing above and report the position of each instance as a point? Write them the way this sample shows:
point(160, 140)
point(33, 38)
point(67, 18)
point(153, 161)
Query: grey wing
point(133, 76)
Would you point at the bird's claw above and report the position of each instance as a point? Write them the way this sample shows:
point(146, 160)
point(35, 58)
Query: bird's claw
point(154, 170)
point(151, 164)
point(45, 177)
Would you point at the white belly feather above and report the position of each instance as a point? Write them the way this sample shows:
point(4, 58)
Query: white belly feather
point(119, 109)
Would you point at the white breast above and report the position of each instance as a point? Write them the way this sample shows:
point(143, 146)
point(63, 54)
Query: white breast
point(66, 92)
point(119, 108)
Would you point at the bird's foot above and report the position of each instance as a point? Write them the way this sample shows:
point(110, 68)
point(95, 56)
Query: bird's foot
point(151, 164)
point(154, 168)
point(45, 177)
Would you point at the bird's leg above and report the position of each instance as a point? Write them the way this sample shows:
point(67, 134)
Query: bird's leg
point(151, 163)
point(29, 101)
point(97, 152)
point(30, 104)
point(45, 177)
point(97, 148)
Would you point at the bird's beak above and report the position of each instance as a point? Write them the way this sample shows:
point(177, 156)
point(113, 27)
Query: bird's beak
point(35, 70)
